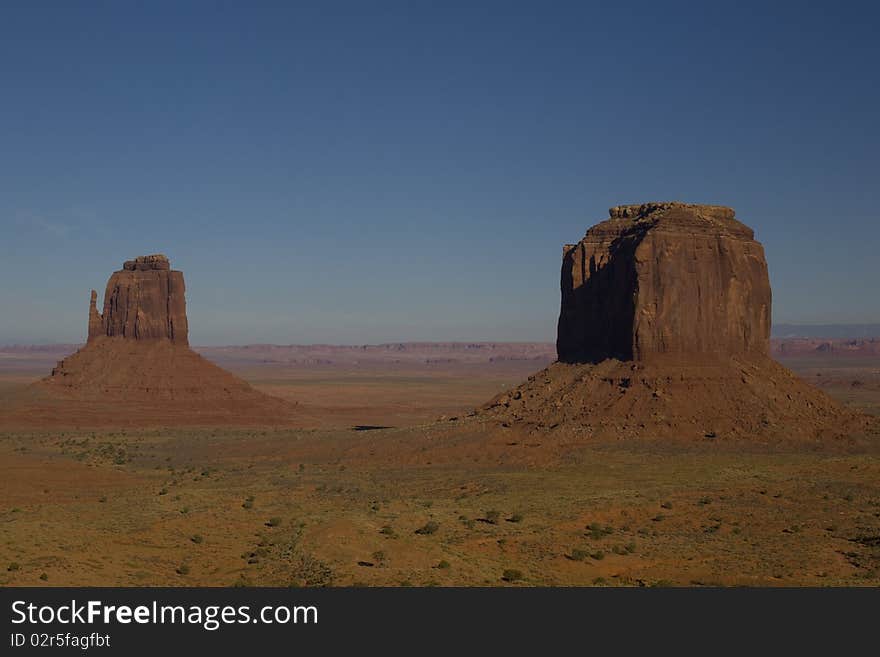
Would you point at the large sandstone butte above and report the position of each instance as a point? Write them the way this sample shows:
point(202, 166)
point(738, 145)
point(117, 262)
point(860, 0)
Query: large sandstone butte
point(659, 279)
point(664, 330)
point(137, 367)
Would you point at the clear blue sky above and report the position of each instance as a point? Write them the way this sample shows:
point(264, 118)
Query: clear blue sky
point(371, 171)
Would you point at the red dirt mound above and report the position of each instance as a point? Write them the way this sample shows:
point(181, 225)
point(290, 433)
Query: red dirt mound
point(755, 397)
point(118, 382)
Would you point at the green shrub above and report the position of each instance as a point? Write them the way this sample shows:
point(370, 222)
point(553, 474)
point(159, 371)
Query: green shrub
point(248, 503)
point(387, 530)
point(516, 517)
point(578, 554)
point(274, 521)
point(511, 575)
point(492, 517)
point(183, 569)
point(197, 538)
point(429, 527)
point(443, 565)
point(597, 531)
point(13, 566)
point(598, 555)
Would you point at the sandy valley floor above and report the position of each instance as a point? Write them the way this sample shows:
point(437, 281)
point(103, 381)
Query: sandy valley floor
point(374, 490)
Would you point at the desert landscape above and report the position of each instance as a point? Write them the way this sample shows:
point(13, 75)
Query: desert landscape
point(664, 440)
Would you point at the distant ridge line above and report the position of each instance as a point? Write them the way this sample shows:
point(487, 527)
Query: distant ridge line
point(829, 331)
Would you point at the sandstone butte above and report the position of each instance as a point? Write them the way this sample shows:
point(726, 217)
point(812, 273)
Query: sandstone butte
point(664, 331)
point(144, 300)
point(137, 367)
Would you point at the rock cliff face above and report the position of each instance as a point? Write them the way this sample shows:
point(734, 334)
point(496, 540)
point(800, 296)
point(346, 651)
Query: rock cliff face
point(657, 279)
point(145, 300)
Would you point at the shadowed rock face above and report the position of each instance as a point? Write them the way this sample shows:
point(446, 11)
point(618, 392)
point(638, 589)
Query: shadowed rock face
point(661, 279)
point(143, 301)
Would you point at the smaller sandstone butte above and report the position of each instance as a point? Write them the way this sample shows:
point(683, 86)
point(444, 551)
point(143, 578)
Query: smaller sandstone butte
point(144, 300)
point(664, 331)
point(137, 367)
point(664, 279)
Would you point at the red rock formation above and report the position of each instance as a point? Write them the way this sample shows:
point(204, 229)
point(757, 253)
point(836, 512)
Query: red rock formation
point(144, 301)
point(96, 322)
point(657, 279)
point(664, 331)
point(137, 367)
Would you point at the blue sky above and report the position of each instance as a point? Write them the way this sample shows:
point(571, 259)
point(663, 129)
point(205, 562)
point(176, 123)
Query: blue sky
point(377, 171)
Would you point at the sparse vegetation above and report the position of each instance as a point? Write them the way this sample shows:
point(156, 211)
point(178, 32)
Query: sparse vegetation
point(597, 531)
point(633, 530)
point(13, 567)
point(274, 521)
point(511, 575)
point(429, 527)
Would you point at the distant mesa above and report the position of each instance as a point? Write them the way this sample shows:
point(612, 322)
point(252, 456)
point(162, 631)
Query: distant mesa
point(137, 367)
point(664, 330)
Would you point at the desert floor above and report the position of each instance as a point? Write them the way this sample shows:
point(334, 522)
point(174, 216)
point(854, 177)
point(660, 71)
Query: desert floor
point(376, 491)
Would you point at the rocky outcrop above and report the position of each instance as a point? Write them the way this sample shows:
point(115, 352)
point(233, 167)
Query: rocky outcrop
point(96, 322)
point(664, 332)
point(137, 368)
point(659, 279)
point(145, 300)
